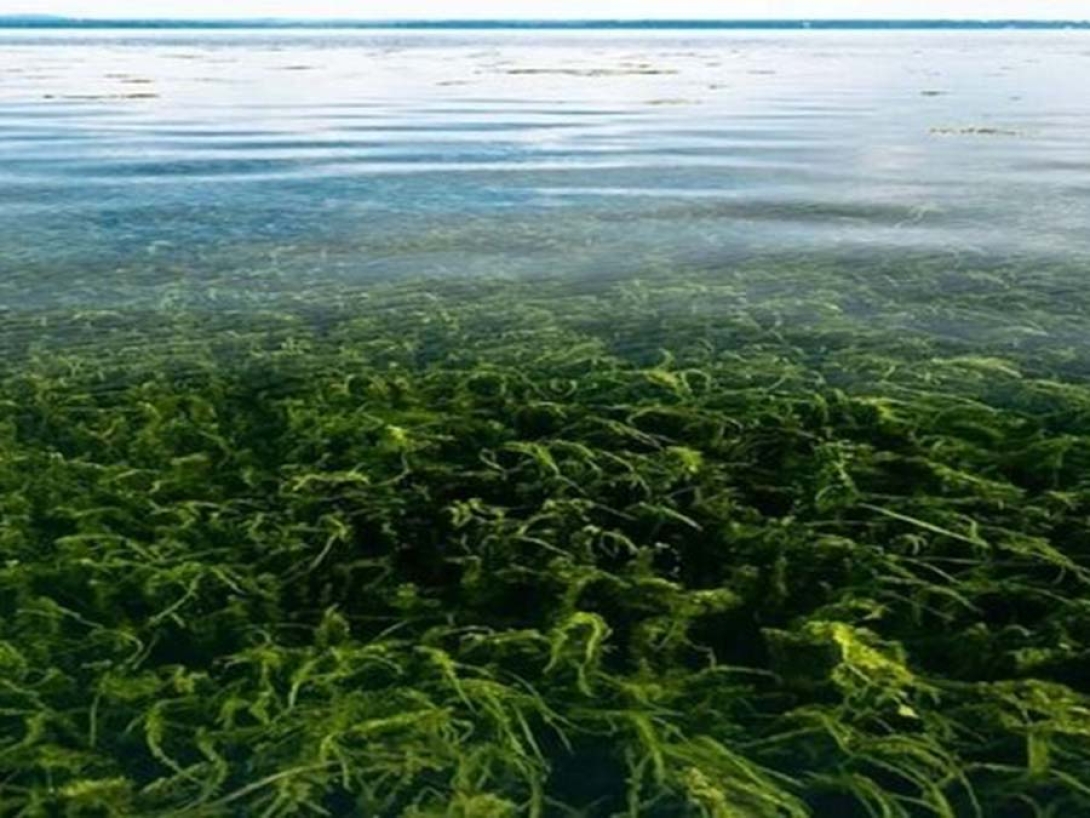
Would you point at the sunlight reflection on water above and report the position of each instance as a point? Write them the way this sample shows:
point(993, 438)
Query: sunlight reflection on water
point(189, 155)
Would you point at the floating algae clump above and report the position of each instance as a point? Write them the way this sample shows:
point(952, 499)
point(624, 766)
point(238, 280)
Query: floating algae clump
point(499, 548)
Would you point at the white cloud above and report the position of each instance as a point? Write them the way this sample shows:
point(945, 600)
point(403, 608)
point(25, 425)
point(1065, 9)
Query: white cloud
point(403, 9)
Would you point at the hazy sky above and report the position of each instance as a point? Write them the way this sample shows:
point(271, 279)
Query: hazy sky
point(447, 9)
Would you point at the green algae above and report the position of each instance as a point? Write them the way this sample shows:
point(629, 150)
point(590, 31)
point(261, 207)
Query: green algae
point(769, 542)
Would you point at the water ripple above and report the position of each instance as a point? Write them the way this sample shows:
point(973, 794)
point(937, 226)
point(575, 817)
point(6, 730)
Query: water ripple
point(580, 153)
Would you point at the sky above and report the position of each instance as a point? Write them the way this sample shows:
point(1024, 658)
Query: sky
point(570, 9)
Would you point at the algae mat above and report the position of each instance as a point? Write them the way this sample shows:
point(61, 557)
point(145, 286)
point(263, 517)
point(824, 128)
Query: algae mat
point(504, 547)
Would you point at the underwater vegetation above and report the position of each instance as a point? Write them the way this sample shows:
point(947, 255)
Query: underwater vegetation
point(773, 541)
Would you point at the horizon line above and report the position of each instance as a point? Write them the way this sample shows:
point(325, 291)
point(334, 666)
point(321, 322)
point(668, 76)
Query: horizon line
point(59, 21)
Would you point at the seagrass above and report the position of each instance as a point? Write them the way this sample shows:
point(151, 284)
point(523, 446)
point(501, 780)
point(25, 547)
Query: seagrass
point(782, 540)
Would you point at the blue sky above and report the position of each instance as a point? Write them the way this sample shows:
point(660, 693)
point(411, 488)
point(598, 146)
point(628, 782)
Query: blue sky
point(403, 9)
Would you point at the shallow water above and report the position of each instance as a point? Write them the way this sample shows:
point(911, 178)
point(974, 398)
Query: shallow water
point(544, 423)
point(137, 167)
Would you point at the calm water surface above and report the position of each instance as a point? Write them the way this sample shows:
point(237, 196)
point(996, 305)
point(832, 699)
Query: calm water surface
point(182, 166)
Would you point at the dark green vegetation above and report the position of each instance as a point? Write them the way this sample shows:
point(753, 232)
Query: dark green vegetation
point(754, 544)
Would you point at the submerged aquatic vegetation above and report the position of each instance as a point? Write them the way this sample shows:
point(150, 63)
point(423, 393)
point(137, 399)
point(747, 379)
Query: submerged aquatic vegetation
point(683, 546)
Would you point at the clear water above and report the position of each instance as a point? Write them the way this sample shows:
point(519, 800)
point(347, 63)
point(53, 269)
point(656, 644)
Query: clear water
point(166, 167)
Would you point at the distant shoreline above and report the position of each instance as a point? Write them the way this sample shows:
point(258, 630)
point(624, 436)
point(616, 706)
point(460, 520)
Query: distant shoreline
point(53, 23)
